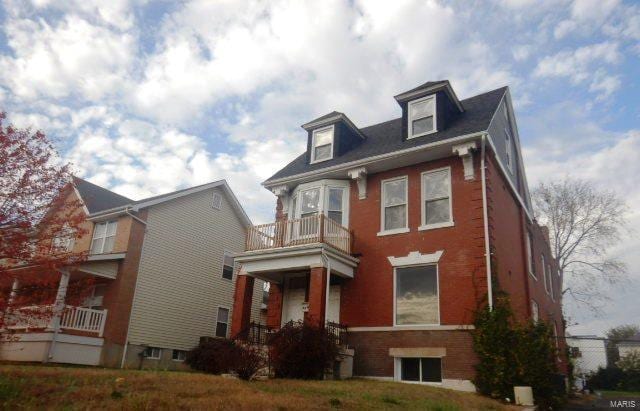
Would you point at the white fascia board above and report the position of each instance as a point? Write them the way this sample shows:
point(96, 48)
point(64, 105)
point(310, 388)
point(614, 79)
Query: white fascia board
point(373, 159)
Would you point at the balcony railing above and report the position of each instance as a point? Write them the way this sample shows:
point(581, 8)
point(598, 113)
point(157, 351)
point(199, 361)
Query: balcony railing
point(71, 318)
point(299, 231)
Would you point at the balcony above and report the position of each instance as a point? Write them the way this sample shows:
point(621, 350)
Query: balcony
point(317, 229)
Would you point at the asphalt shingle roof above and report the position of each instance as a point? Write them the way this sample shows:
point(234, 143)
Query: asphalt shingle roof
point(386, 137)
point(97, 198)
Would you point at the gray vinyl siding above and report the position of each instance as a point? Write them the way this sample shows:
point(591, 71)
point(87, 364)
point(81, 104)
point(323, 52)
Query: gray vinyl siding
point(497, 132)
point(180, 284)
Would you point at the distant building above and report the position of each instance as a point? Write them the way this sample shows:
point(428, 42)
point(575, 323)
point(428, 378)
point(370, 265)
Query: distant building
point(589, 353)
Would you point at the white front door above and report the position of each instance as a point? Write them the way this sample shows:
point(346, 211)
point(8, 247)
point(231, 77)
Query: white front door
point(292, 303)
point(333, 313)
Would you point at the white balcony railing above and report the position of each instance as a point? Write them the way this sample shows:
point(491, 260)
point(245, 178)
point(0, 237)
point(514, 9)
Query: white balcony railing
point(307, 230)
point(72, 318)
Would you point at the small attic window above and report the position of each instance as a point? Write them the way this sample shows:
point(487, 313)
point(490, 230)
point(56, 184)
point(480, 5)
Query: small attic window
point(422, 116)
point(322, 144)
point(216, 202)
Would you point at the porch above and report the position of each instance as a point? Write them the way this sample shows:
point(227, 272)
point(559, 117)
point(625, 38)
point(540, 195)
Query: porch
point(59, 320)
point(305, 261)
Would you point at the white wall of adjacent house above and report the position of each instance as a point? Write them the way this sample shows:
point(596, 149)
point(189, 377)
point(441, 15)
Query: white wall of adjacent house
point(180, 286)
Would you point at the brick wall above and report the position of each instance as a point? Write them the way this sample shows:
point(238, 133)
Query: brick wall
point(372, 358)
point(367, 300)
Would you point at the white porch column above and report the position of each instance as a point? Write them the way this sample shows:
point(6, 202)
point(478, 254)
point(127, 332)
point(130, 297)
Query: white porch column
point(58, 308)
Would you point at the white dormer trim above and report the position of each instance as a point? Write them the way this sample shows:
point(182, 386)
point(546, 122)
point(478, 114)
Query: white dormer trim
point(360, 176)
point(415, 258)
point(313, 143)
point(410, 118)
point(282, 192)
point(465, 151)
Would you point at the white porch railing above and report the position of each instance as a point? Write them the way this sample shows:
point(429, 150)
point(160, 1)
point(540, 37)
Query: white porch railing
point(83, 319)
point(71, 318)
point(307, 230)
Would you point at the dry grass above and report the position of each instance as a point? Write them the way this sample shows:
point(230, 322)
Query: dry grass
point(40, 387)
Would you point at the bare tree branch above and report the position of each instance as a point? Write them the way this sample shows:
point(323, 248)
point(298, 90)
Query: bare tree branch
point(584, 224)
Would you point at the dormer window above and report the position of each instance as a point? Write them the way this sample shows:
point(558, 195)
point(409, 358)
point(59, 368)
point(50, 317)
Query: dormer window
point(422, 116)
point(322, 144)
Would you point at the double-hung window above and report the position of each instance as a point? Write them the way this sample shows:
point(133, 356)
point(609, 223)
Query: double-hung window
point(64, 241)
point(394, 205)
point(179, 355)
point(545, 274)
point(535, 311)
point(334, 208)
point(104, 235)
point(427, 370)
point(416, 295)
point(530, 265)
point(227, 266)
point(309, 207)
point(436, 199)
point(422, 116)
point(222, 322)
point(322, 144)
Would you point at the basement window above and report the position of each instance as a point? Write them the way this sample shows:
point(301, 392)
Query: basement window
point(179, 355)
point(322, 144)
point(425, 370)
point(422, 116)
point(152, 353)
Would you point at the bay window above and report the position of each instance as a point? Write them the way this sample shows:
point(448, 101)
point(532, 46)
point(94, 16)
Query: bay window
point(422, 116)
point(322, 144)
point(394, 205)
point(328, 197)
point(104, 235)
point(436, 199)
point(416, 295)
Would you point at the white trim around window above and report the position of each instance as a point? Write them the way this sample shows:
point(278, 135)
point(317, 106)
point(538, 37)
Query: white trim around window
point(530, 266)
point(103, 238)
point(314, 134)
point(423, 200)
point(395, 292)
point(152, 353)
point(226, 334)
point(228, 260)
point(383, 206)
point(411, 119)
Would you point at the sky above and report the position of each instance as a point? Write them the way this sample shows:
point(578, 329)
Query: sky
point(148, 97)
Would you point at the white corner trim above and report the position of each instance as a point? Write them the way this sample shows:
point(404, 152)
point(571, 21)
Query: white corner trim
point(465, 151)
point(394, 231)
point(416, 258)
point(360, 175)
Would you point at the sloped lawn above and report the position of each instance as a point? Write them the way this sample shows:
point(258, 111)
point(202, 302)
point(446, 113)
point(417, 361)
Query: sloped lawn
point(43, 387)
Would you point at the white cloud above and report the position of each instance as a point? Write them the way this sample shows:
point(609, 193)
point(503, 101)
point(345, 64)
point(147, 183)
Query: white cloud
point(65, 58)
point(578, 65)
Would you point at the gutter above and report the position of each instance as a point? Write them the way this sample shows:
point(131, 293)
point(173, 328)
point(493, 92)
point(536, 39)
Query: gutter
point(487, 248)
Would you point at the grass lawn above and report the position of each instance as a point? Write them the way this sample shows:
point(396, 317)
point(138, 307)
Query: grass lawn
point(44, 387)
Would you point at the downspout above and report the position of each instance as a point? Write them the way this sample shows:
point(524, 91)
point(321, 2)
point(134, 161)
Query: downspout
point(135, 289)
point(487, 249)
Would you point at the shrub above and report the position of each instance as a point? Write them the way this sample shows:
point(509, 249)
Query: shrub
point(219, 355)
point(302, 350)
point(212, 355)
point(615, 378)
point(511, 354)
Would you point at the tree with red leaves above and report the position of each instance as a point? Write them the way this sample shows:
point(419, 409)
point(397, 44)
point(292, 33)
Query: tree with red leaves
point(39, 221)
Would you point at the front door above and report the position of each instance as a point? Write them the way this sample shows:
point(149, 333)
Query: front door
point(293, 299)
point(333, 313)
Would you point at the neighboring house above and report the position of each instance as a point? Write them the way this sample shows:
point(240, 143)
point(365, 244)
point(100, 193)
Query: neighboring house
point(631, 345)
point(164, 271)
point(589, 353)
point(393, 230)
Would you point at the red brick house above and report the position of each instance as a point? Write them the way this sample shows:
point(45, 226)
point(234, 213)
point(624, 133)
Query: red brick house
point(392, 229)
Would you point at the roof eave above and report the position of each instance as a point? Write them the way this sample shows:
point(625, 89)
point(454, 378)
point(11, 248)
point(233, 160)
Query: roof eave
point(333, 119)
